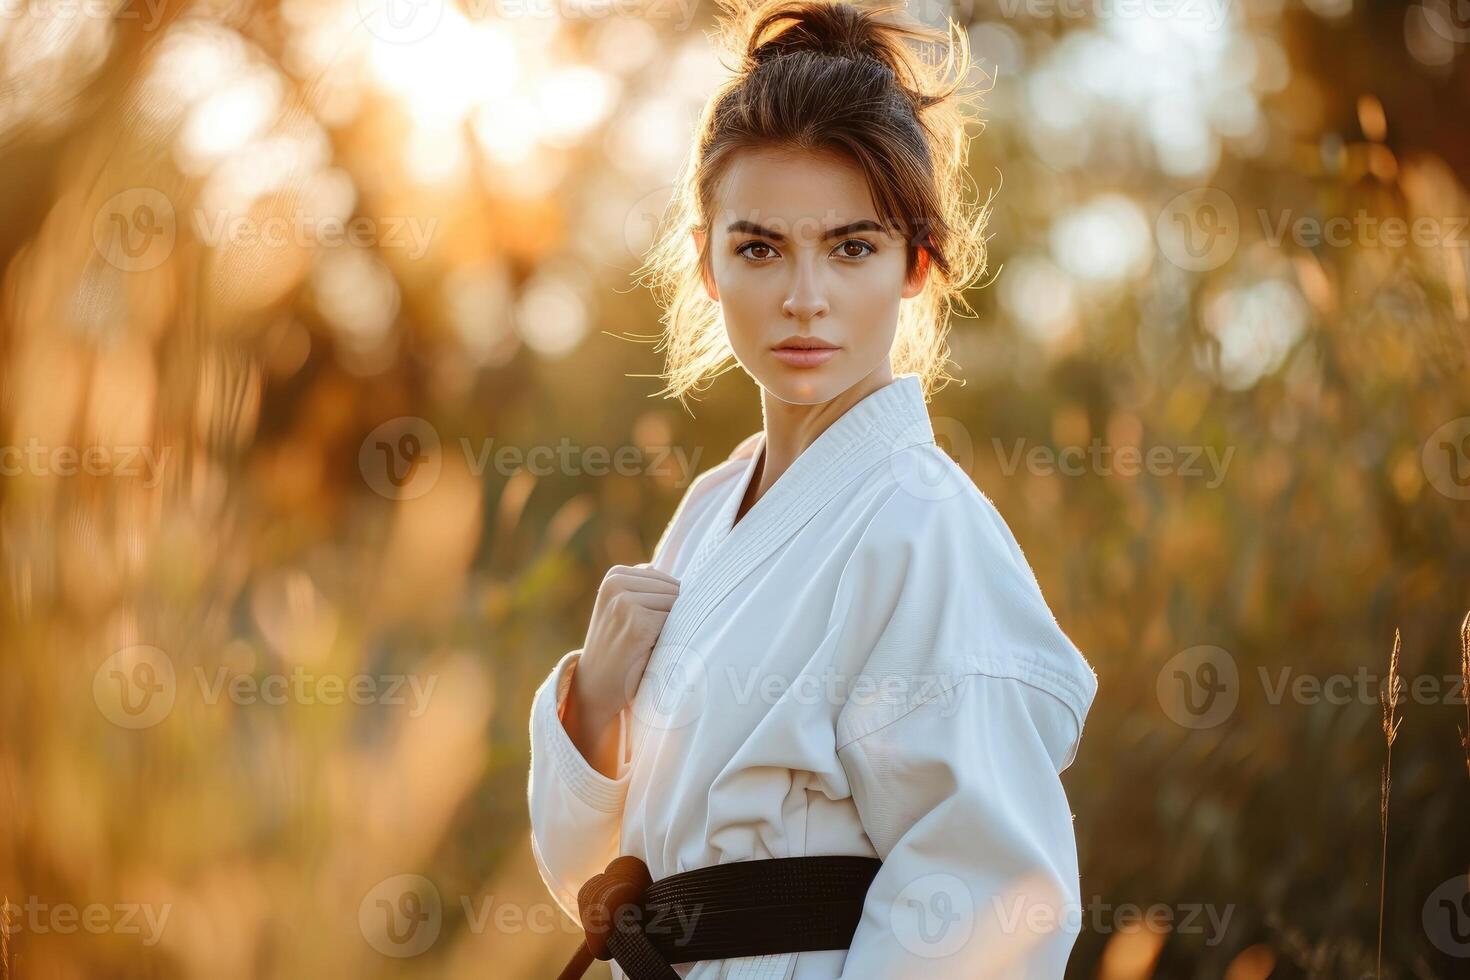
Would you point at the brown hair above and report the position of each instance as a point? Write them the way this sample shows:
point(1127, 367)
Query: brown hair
point(836, 77)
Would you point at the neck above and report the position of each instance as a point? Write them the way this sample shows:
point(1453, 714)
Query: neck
point(791, 428)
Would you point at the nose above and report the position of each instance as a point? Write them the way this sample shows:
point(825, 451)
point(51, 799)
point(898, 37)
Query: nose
point(807, 299)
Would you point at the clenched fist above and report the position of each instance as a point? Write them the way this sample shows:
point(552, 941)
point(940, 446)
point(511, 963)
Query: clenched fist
point(632, 604)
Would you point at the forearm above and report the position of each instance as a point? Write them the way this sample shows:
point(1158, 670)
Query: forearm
point(593, 732)
point(575, 810)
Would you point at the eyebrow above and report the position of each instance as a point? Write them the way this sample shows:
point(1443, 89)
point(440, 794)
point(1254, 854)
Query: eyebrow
point(751, 228)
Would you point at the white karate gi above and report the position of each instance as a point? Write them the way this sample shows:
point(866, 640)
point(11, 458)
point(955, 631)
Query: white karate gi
point(864, 664)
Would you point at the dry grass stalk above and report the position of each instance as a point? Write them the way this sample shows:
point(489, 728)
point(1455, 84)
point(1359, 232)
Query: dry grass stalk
point(5, 938)
point(1465, 687)
point(1390, 701)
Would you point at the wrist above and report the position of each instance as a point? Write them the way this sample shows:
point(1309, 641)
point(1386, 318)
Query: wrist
point(591, 713)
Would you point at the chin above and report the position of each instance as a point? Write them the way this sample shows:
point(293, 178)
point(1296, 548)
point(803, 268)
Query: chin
point(805, 385)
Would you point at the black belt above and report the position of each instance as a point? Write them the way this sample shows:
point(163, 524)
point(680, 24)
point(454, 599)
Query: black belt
point(746, 908)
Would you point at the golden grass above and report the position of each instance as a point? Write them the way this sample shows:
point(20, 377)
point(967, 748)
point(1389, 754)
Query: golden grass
point(1390, 701)
point(1465, 688)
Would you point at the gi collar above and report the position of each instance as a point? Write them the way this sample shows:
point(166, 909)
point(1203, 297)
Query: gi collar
point(886, 422)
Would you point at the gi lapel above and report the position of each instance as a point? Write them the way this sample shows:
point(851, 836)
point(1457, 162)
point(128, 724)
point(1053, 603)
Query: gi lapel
point(889, 420)
point(724, 516)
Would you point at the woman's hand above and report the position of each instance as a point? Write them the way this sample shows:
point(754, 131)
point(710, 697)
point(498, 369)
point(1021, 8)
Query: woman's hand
point(632, 604)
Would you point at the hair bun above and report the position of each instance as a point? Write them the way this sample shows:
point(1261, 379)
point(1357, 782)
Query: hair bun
point(838, 29)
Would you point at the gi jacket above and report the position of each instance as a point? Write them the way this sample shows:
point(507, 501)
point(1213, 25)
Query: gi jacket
point(863, 664)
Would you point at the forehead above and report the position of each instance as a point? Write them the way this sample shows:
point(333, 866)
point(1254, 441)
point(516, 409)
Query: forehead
point(781, 187)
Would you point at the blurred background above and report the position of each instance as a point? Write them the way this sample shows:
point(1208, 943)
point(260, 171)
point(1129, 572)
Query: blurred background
point(327, 399)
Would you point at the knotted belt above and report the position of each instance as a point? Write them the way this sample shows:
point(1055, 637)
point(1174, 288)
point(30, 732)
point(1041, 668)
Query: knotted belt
point(746, 908)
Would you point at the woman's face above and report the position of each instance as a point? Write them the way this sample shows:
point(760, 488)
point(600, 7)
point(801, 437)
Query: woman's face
point(797, 255)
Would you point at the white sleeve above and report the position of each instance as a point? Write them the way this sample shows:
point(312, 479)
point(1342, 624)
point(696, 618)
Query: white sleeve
point(576, 811)
point(962, 799)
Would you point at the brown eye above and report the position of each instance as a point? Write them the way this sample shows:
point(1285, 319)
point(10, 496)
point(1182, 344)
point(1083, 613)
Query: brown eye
point(866, 249)
point(746, 249)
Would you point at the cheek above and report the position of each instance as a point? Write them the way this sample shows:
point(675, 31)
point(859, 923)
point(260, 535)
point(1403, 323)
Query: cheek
point(876, 289)
point(745, 304)
point(743, 292)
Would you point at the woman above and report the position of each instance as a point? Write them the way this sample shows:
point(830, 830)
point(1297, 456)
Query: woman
point(827, 720)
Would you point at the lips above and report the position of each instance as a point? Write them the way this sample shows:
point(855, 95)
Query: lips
point(804, 357)
point(804, 343)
